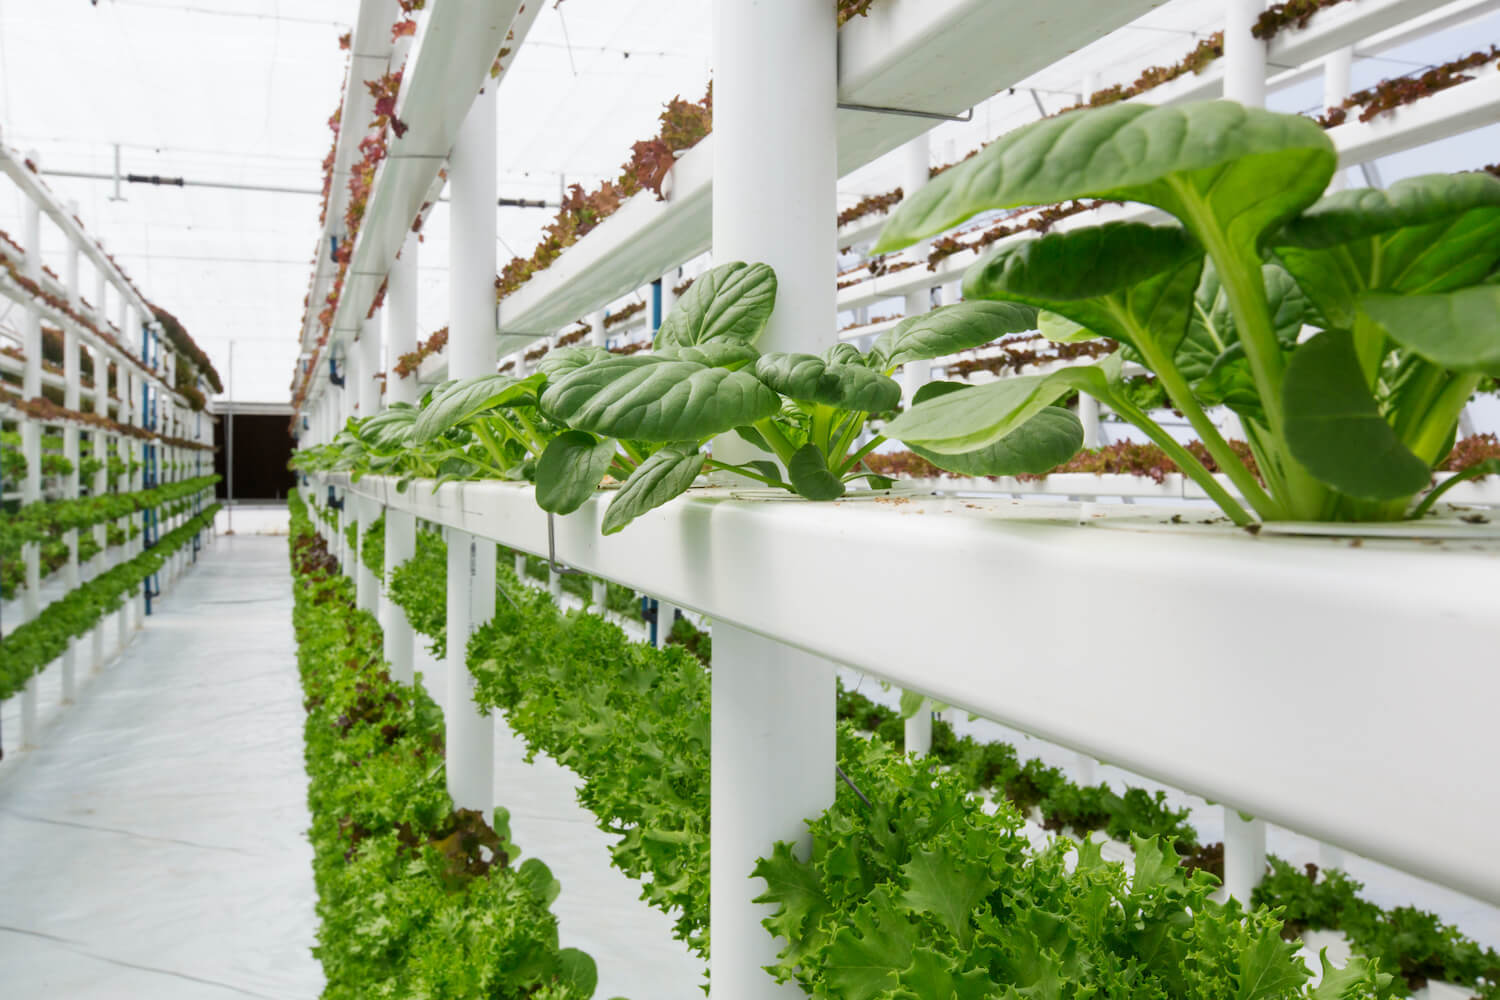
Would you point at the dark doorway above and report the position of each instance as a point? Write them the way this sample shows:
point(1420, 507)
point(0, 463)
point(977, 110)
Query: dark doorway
point(262, 447)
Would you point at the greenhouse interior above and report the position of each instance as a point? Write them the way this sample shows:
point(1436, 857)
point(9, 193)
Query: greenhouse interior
point(756, 499)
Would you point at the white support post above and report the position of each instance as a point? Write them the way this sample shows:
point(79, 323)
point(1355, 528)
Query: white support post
point(1244, 54)
point(72, 389)
point(401, 322)
point(1088, 415)
point(368, 391)
point(554, 582)
point(666, 614)
point(520, 566)
point(772, 754)
point(471, 352)
point(471, 256)
point(1244, 81)
point(598, 336)
point(101, 293)
point(366, 590)
point(471, 736)
point(31, 444)
point(772, 706)
point(669, 282)
point(916, 164)
point(1244, 854)
point(599, 596)
point(400, 545)
point(1338, 70)
point(918, 734)
point(353, 373)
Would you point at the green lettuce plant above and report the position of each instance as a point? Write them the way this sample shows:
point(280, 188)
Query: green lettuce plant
point(649, 415)
point(1347, 332)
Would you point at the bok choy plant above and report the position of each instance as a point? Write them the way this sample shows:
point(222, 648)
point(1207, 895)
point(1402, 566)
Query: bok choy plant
point(1347, 332)
point(644, 418)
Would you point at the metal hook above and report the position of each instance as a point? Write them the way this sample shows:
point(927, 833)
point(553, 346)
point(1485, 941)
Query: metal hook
point(552, 562)
point(967, 116)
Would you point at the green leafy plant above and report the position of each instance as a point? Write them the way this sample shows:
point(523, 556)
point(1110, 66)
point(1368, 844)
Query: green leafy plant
point(416, 898)
point(705, 377)
point(611, 709)
point(913, 890)
point(32, 646)
point(1345, 425)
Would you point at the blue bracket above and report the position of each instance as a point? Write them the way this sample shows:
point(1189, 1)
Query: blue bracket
point(334, 376)
point(333, 247)
point(334, 500)
point(656, 316)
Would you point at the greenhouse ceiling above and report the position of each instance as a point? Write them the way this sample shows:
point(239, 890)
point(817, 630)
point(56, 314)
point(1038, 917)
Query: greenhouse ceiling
point(238, 92)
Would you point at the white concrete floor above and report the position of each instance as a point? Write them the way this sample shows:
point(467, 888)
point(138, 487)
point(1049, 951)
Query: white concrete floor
point(154, 846)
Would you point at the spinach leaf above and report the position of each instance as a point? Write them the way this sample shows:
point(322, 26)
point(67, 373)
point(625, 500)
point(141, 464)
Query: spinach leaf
point(570, 469)
point(647, 398)
point(731, 302)
point(662, 476)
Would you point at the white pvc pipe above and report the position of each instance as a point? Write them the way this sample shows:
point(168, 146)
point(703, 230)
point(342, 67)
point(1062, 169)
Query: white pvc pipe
point(918, 730)
point(471, 352)
point(366, 591)
point(779, 217)
point(666, 614)
point(400, 545)
point(1244, 854)
point(772, 706)
point(772, 756)
point(1338, 69)
point(669, 283)
point(353, 373)
point(471, 247)
point(471, 736)
point(101, 293)
point(1244, 54)
point(599, 596)
point(1088, 415)
point(401, 321)
point(368, 391)
point(597, 334)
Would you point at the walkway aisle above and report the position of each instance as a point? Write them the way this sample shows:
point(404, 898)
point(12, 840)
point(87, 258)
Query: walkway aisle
point(154, 846)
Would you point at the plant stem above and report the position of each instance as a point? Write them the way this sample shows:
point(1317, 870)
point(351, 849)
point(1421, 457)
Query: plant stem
point(855, 458)
point(1240, 275)
point(491, 444)
point(633, 452)
point(748, 472)
point(1489, 467)
point(533, 439)
point(851, 431)
point(776, 439)
point(1438, 420)
point(1185, 460)
point(1369, 347)
point(1182, 397)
